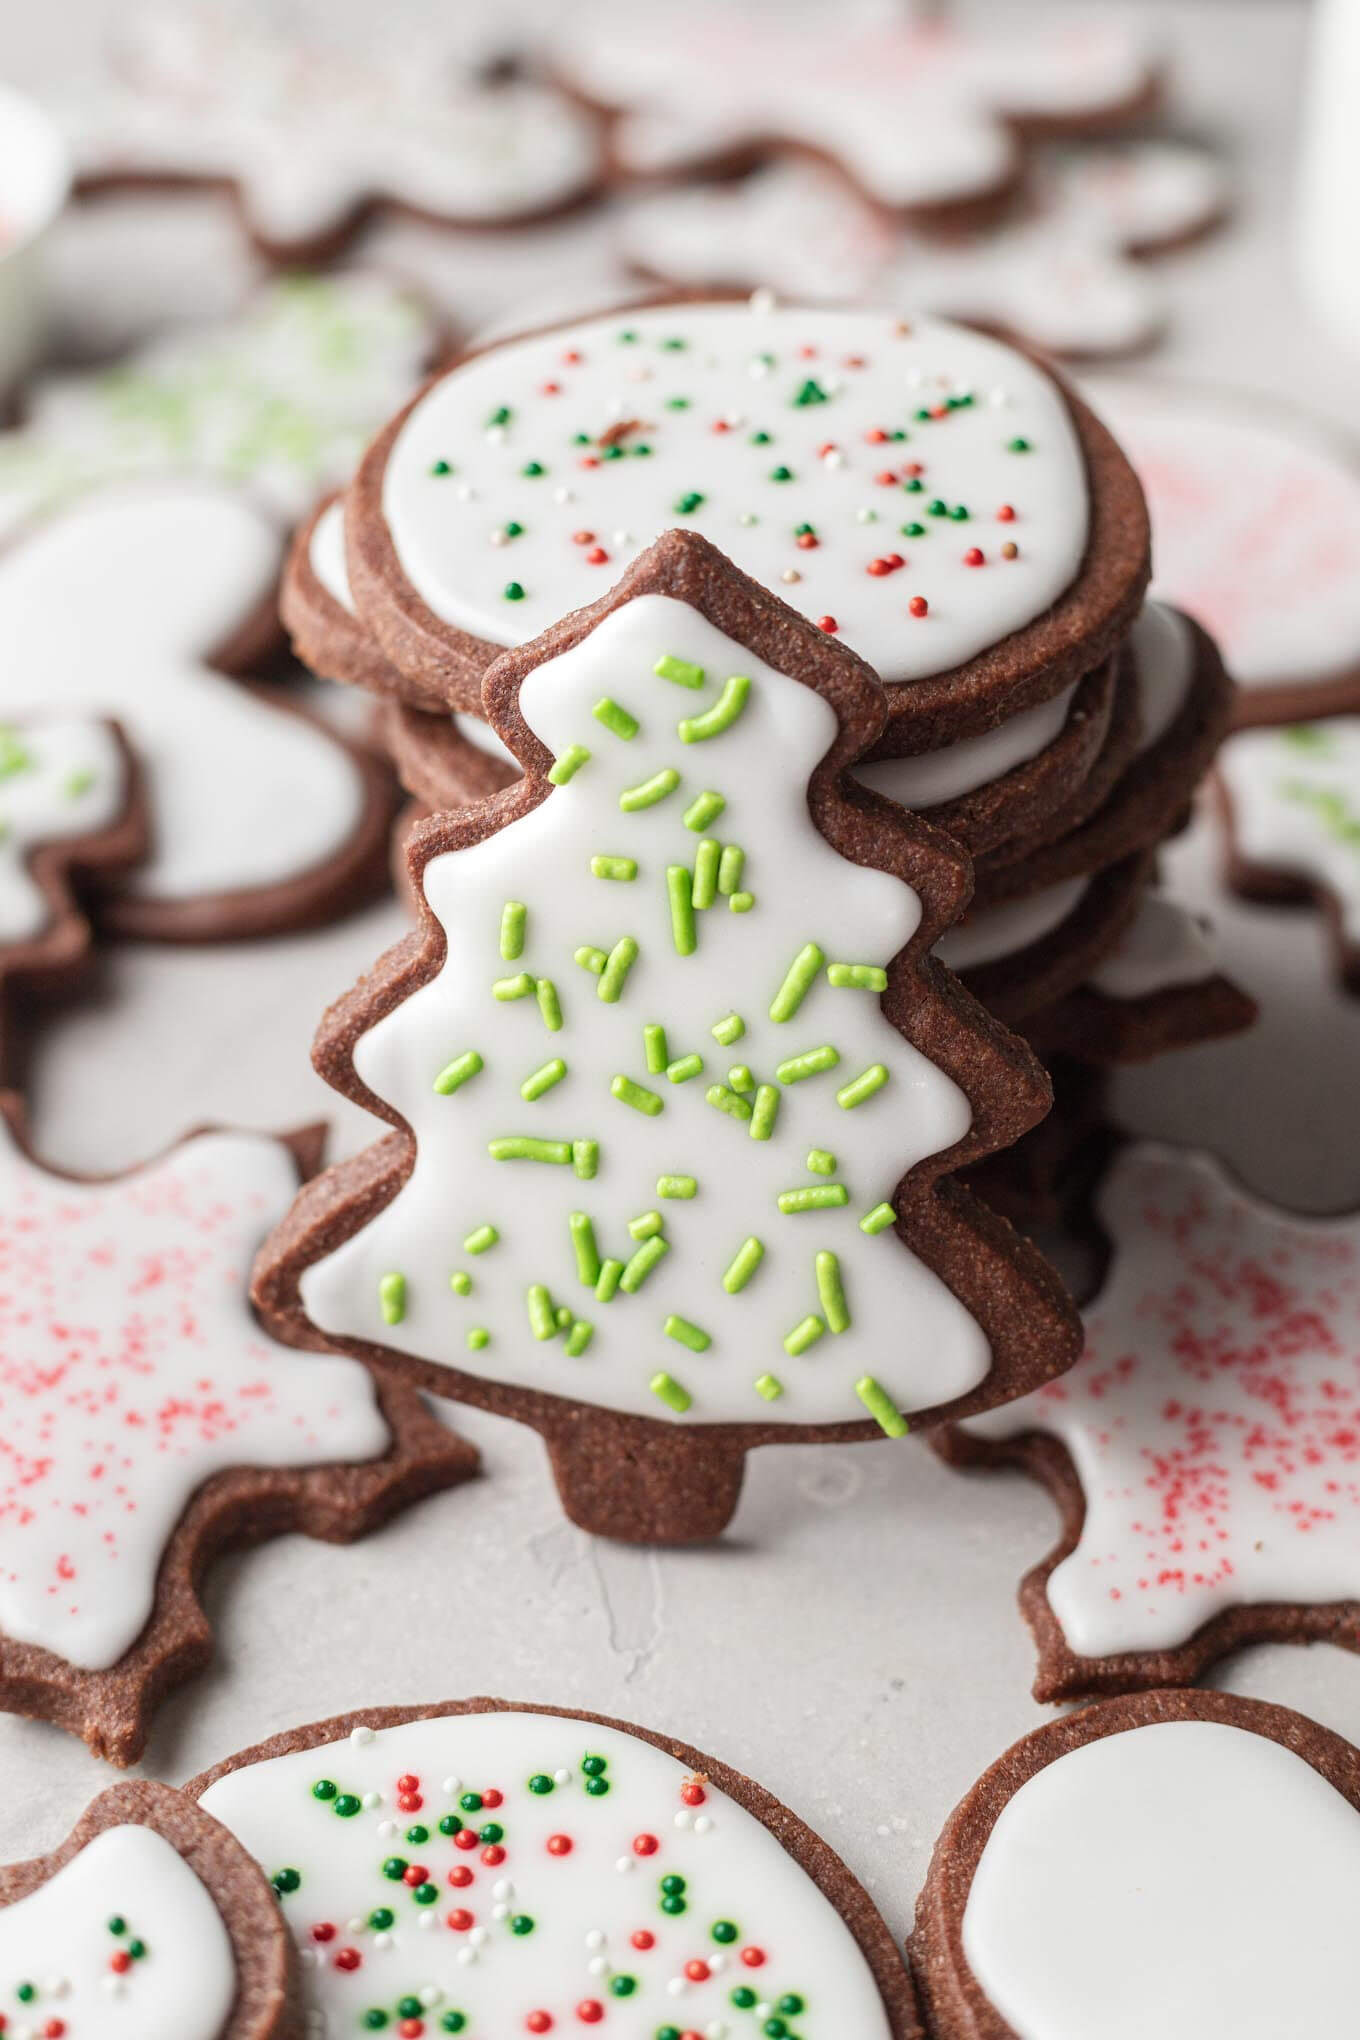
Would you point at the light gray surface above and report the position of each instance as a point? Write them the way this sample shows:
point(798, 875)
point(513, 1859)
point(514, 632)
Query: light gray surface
point(855, 1643)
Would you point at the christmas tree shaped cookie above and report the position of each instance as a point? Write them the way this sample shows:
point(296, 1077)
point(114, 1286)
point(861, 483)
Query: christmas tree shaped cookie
point(674, 1079)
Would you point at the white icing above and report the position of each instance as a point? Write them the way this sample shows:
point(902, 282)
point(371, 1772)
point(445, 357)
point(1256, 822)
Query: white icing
point(484, 738)
point(1164, 660)
point(114, 606)
point(309, 132)
point(326, 554)
point(1213, 1418)
point(1329, 162)
point(59, 779)
point(284, 396)
point(937, 776)
point(994, 932)
point(1183, 1878)
point(134, 1370)
point(58, 1940)
point(1295, 807)
point(745, 367)
point(587, 1905)
point(1163, 946)
point(1257, 527)
point(907, 1329)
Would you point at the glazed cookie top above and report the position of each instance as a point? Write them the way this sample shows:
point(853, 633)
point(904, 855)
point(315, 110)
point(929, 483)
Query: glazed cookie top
point(509, 1872)
point(918, 490)
point(59, 779)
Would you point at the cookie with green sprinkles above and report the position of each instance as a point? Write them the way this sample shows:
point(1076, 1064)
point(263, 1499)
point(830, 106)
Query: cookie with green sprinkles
point(149, 1922)
point(489, 1868)
point(681, 956)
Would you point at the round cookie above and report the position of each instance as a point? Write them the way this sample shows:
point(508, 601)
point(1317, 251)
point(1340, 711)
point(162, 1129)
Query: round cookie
point(1022, 955)
point(317, 607)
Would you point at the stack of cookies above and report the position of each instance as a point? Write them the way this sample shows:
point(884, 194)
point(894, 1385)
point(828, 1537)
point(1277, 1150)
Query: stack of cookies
point(930, 497)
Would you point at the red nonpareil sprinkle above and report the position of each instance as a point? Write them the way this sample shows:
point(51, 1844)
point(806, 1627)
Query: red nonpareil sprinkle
point(573, 357)
point(875, 435)
point(827, 446)
point(721, 425)
point(491, 1798)
point(854, 361)
point(939, 410)
point(807, 352)
point(886, 479)
point(414, 1874)
point(411, 2029)
point(460, 1919)
point(466, 1838)
point(1006, 514)
point(697, 1971)
point(828, 624)
point(323, 1931)
point(918, 606)
point(409, 1802)
point(597, 556)
point(692, 1792)
point(590, 2011)
point(808, 541)
point(460, 1876)
point(54, 2029)
point(645, 1845)
point(589, 460)
point(348, 1958)
point(408, 1782)
point(914, 469)
point(643, 1939)
point(539, 2022)
point(550, 389)
point(974, 557)
point(559, 1845)
point(754, 1958)
point(120, 1962)
point(583, 538)
point(493, 1854)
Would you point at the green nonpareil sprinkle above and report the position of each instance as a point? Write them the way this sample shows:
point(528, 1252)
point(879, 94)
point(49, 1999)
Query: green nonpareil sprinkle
point(392, 1298)
point(796, 1068)
point(685, 1067)
point(542, 1079)
point(769, 1386)
point(585, 1158)
point(668, 1389)
point(654, 1049)
point(590, 959)
point(703, 809)
point(469, 1064)
point(862, 1087)
point(799, 979)
point(519, 987)
point(614, 976)
point(707, 857)
point(677, 1186)
point(697, 729)
point(743, 1265)
point(616, 718)
point(638, 1096)
point(729, 1029)
point(742, 902)
point(579, 1337)
point(523, 1147)
point(646, 1225)
point(569, 764)
point(813, 1197)
point(831, 1292)
point(607, 1280)
point(640, 1265)
point(881, 1406)
point(564, 1316)
point(727, 1101)
point(857, 977)
point(686, 1333)
point(680, 892)
point(542, 1316)
point(549, 1005)
point(682, 671)
point(686, 505)
point(821, 1162)
point(479, 1338)
point(513, 591)
point(804, 1334)
point(514, 921)
point(649, 791)
point(730, 868)
point(478, 1242)
point(622, 869)
point(878, 1220)
point(460, 1282)
point(740, 1078)
point(764, 1112)
point(588, 1261)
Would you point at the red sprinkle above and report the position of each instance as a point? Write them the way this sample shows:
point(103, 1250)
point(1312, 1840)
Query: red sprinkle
point(460, 1919)
point(807, 353)
point(323, 1931)
point(697, 1972)
point(348, 1958)
point(573, 356)
point(887, 479)
point(414, 1874)
point(1006, 514)
point(411, 2029)
point(828, 624)
point(589, 460)
point(692, 1792)
point(827, 446)
point(754, 1958)
point(409, 1802)
point(460, 1876)
point(876, 435)
point(597, 556)
point(808, 541)
point(466, 1838)
point(539, 2022)
point(493, 1854)
point(590, 2011)
point(583, 538)
point(559, 1845)
point(918, 606)
point(551, 389)
point(491, 1798)
point(913, 469)
point(644, 1939)
point(721, 425)
point(645, 1845)
point(975, 557)
point(120, 1961)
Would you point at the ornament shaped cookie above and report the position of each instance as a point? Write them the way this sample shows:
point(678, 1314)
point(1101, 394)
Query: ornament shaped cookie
point(149, 1422)
point(673, 1081)
point(921, 115)
point(486, 1868)
point(1202, 1452)
point(1184, 1864)
point(1062, 274)
point(314, 138)
point(143, 600)
point(1257, 514)
point(149, 1922)
point(1290, 802)
point(925, 494)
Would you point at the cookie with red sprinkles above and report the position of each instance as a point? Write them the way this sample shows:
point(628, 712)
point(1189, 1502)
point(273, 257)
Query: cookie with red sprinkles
point(496, 1869)
point(149, 1922)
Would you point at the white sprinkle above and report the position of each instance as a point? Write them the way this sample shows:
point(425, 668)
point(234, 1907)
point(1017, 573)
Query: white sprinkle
point(361, 1735)
point(466, 1957)
point(500, 538)
point(500, 1912)
point(563, 495)
point(748, 517)
point(430, 1995)
point(426, 1920)
point(465, 494)
point(624, 1863)
point(383, 1940)
point(453, 1786)
point(502, 1888)
point(387, 1830)
point(763, 300)
point(759, 369)
point(623, 538)
point(496, 434)
point(703, 1824)
point(866, 516)
point(790, 574)
point(598, 1965)
point(370, 1801)
point(562, 1777)
point(676, 1986)
point(355, 1924)
point(595, 1939)
point(684, 1818)
point(834, 458)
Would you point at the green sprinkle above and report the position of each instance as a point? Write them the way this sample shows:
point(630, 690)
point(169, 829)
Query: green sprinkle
point(862, 1087)
point(638, 1096)
point(78, 782)
point(742, 902)
point(682, 671)
point(608, 1280)
point(703, 809)
point(729, 1029)
point(878, 1220)
point(542, 1316)
point(587, 1253)
point(614, 976)
point(549, 1005)
point(831, 1292)
point(646, 1225)
point(813, 1197)
point(579, 1337)
point(591, 959)
point(671, 1393)
point(686, 505)
point(563, 1316)
point(469, 1064)
point(500, 416)
point(730, 868)
point(696, 729)
point(857, 977)
point(477, 1242)
point(1012, 446)
point(677, 1186)
point(769, 1386)
point(441, 467)
point(569, 764)
point(514, 920)
point(959, 513)
point(821, 1162)
point(740, 1078)
point(686, 1334)
point(654, 1049)
point(680, 890)
point(533, 469)
point(641, 1264)
point(460, 1282)
point(743, 1265)
point(880, 1406)
point(585, 1158)
point(519, 987)
point(542, 1079)
point(804, 1334)
point(622, 868)
point(513, 591)
point(764, 1112)
point(799, 979)
point(616, 718)
point(392, 1298)
point(522, 1147)
point(706, 861)
point(727, 1101)
point(812, 1064)
point(811, 393)
point(649, 791)
point(478, 1338)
